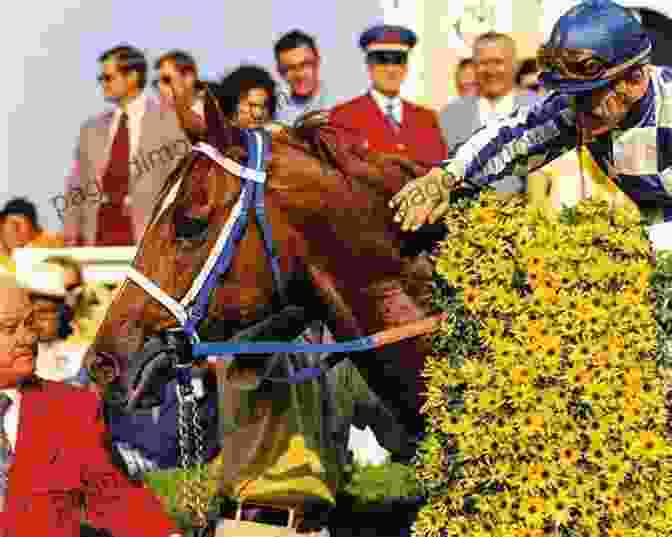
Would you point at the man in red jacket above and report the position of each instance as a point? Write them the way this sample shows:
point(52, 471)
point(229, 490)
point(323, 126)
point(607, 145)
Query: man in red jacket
point(52, 448)
point(381, 119)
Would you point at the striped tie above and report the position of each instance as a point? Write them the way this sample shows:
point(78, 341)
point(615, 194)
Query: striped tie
point(5, 450)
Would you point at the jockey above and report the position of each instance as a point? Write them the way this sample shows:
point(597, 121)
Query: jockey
point(605, 96)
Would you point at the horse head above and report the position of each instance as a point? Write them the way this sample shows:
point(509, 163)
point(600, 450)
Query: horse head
point(327, 205)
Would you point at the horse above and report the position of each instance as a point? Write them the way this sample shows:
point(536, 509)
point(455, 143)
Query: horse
point(340, 254)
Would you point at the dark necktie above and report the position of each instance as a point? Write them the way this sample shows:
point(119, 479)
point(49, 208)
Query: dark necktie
point(5, 449)
point(389, 108)
point(114, 227)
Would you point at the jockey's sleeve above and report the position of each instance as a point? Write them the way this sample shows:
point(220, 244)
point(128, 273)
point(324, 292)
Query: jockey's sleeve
point(519, 143)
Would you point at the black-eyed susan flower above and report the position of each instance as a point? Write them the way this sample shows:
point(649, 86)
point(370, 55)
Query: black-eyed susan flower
point(568, 455)
point(533, 509)
point(472, 298)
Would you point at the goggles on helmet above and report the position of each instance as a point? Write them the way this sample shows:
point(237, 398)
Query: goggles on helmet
point(582, 65)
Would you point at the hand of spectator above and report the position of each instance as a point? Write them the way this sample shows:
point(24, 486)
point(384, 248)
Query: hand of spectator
point(425, 199)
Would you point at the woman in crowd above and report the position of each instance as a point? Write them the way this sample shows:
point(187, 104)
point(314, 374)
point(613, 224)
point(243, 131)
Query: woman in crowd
point(247, 96)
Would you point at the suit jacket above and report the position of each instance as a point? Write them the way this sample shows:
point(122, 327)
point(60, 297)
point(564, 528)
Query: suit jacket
point(460, 118)
point(61, 457)
point(418, 139)
point(162, 143)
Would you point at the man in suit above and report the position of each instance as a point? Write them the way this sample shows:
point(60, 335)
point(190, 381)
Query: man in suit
point(495, 61)
point(385, 122)
point(179, 64)
point(50, 456)
point(298, 63)
point(122, 159)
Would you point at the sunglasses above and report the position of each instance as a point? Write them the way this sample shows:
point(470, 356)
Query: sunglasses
point(387, 57)
point(533, 87)
point(105, 78)
point(298, 67)
point(165, 79)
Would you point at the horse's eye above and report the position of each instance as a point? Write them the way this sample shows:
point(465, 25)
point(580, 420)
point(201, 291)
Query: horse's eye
point(191, 228)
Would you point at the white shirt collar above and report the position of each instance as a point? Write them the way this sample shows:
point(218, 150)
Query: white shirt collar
point(135, 108)
point(496, 108)
point(199, 106)
point(383, 102)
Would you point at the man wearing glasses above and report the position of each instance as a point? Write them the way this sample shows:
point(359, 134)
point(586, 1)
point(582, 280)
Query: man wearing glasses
point(122, 159)
point(386, 122)
point(607, 97)
point(298, 62)
point(180, 65)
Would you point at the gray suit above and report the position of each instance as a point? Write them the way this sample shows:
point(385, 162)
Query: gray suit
point(460, 118)
point(161, 145)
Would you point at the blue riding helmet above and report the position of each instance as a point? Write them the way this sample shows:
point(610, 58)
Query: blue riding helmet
point(590, 45)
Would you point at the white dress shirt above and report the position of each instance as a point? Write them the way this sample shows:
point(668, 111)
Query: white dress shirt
point(495, 109)
point(384, 103)
point(59, 360)
point(199, 106)
point(12, 416)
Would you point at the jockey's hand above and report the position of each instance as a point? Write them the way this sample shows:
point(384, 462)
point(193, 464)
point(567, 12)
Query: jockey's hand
point(425, 199)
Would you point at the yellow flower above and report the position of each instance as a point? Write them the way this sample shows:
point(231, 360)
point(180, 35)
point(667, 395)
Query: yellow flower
point(454, 424)
point(532, 509)
point(616, 344)
point(585, 312)
point(616, 505)
point(535, 472)
point(492, 330)
point(553, 280)
point(579, 375)
point(535, 263)
point(521, 375)
point(649, 444)
point(472, 298)
point(486, 215)
point(616, 532)
point(616, 468)
point(550, 347)
point(600, 359)
point(568, 456)
point(560, 506)
point(534, 423)
point(489, 400)
point(549, 295)
point(633, 377)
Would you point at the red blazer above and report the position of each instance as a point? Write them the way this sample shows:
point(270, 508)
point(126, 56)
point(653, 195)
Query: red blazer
point(61, 455)
point(418, 139)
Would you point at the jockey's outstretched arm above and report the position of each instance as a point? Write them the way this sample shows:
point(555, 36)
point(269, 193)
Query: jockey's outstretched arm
point(518, 144)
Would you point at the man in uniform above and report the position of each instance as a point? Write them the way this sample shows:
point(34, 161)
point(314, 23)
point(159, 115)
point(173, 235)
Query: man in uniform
point(386, 122)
